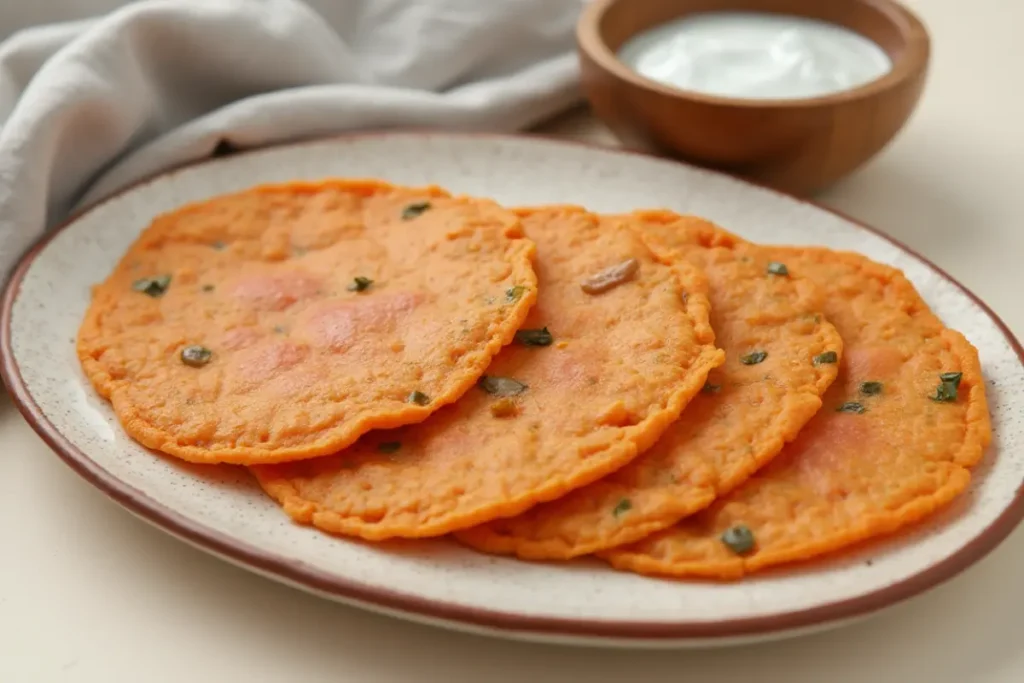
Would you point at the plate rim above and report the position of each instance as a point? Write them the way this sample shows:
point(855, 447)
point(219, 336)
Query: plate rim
point(296, 573)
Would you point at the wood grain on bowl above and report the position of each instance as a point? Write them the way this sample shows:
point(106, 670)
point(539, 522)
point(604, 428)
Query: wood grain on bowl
point(796, 145)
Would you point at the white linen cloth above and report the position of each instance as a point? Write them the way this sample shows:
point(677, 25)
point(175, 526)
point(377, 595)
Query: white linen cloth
point(89, 106)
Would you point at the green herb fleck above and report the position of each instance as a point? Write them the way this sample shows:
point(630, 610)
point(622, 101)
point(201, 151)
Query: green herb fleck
point(501, 386)
point(871, 388)
point(389, 446)
point(514, 294)
point(360, 284)
point(826, 358)
point(948, 387)
point(196, 356)
point(279, 329)
point(776, 268)
point(710, 388)
point(152, 286)
point(739, 539)
point(945, 393)
point(623, 506)
point(754, 357)
point(851, 407)
point(208, 288)
point(413, 210)
point(541, 337)
point(219, 246)
point(419, 398)
point(952, 377)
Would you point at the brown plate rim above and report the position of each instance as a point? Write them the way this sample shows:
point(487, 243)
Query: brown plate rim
point(298, 573)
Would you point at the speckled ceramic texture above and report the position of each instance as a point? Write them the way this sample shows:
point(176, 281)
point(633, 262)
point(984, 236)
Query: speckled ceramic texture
point(438, 581)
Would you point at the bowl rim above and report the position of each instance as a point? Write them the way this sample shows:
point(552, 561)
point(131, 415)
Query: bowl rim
point(912, 61)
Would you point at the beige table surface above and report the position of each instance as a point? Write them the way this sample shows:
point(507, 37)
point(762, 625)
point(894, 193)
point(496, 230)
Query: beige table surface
point(89, 593)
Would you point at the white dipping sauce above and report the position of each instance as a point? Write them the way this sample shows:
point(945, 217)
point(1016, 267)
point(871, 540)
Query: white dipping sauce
point(755, 56)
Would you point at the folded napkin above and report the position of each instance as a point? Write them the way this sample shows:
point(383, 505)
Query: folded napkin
point(90, 106)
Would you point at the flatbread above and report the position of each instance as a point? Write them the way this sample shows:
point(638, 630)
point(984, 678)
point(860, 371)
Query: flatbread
point(882, 454)
point(285, 321)
point(741, 420)
point(622, 363)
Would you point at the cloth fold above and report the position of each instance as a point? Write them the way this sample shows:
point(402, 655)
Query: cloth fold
point(90, 106)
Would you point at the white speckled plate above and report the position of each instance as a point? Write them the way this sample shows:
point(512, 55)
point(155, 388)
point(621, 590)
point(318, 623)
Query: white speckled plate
point(221, 510)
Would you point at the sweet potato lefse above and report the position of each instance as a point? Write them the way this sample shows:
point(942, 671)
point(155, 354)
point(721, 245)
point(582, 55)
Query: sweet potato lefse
point(746, 413)
point(283, 322)
point(547, 417)
point(895, 439)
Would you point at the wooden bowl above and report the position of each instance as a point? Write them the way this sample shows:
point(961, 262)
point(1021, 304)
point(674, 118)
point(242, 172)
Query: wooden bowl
point(796, 145)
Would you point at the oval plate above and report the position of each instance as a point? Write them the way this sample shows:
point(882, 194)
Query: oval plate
point(221, 510)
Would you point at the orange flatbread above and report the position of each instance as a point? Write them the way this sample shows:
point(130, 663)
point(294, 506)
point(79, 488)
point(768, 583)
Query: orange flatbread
point(742, 419)
point(285, 321)
point(892, 443)
point(561, 408)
